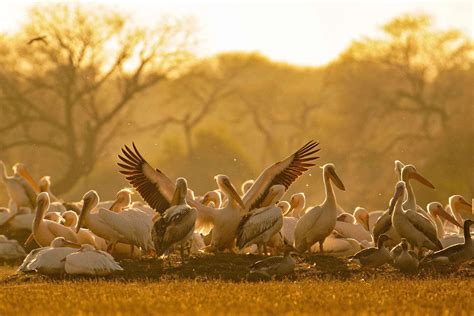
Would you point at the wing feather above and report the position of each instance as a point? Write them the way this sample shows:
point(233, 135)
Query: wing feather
point(424, 225)
point(284, 173)
point(154, 187)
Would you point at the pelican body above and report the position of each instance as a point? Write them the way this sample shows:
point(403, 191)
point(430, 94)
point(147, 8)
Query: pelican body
point(318, 222)
point(89, 261)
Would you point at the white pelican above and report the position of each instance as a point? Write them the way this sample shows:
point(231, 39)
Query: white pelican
point(44, 231)
point(436, 210)
point(375, 256)
point(212, 198)
point(455, 254)
point(259, 225)
point(51, 259)
point(122, 200)
point(131, 226)
point(157, 189)
point(176, 225)
point(318, 222)
point(19, 190)
point(84, 236)
point(90, 261)
point(274, 266)
point(45, 186)
point(298, 203)
point(246, 185)
point(55, 217)
point(411, 225)
point(354, 226)
point(10, 249)
point(337, 246)
point(461, 208)
point(403, 259)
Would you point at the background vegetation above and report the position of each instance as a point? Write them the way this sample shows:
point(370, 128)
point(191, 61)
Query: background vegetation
point(93, 81)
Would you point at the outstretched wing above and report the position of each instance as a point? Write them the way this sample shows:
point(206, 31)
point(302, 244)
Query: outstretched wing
point(256, 223)
point(154, 187)
point(284, 173)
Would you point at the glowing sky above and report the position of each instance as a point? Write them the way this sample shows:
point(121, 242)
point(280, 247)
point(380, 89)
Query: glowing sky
point(299, 32)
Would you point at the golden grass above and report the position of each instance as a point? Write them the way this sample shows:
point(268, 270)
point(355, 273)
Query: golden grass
point(450, 296)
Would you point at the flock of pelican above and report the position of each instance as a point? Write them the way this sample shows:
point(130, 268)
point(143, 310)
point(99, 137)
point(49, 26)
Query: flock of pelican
point(88, 236)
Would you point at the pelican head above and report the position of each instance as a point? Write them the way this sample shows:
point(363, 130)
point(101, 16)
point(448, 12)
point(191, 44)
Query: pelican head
point(55, 217)
point(212, 197)
point(21, 170)
point(298, 201)
point(362, 216)
point(398, 168)
point(224, 184)
point(329, 169)
point(42, 204)
point(382, 239)
point(123, 199)
point(459, 202)
point(436, 209)
point(45, 183)
point(346, 218)
point(59, 242)
point(410, 172)
point(247, 185)
point(399, 190)
point(285, 207)
point(90, 201)
point(70, 218)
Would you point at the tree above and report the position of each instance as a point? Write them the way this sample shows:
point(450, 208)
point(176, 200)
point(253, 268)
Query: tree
point(68, 83)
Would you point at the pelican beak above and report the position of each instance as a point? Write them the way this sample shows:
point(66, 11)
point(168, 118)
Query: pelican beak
point(82, 216)
point(29, 239)
point(27, 176)
point(71, 244)
point(233, 193)
point(422, 180)
point(337, 181)
point(448, 217)
point(465, 203)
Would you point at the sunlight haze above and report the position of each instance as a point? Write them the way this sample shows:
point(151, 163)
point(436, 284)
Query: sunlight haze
point(303, 33)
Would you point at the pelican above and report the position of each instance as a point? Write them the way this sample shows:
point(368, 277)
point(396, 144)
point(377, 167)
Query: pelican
point(259, 225)
point(131, 226)
point(414, 227)
point(177, 223)
point(337, 246)
point(45, 186)
point(90, 261)
point(289, 223)
point(49, 260)
point(157, 189)
point(84, 236)
point(10, 249)
point(375, 256)
point(274, 266)
point(55, 217)
point(460, 208)
point(212, 198)
point(384, 226)
point(354, 226)
point(298, 203)
point(455, 254)
point(246, 185)
point(436, 210)
point(19, 190)
point(122, 201)
point(318, 222)
point(403, 259)
point(44, 231)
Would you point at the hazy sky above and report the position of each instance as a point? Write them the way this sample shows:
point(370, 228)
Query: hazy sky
point(300, 32)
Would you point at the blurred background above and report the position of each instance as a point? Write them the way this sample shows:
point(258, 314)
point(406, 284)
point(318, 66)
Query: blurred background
point(204, 89)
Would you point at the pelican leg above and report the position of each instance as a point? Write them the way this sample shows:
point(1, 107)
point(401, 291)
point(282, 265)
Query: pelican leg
point(29, 240)
point(321, 242)
point(259, 249)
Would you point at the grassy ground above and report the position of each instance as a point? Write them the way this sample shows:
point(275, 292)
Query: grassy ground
point(216, 285)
